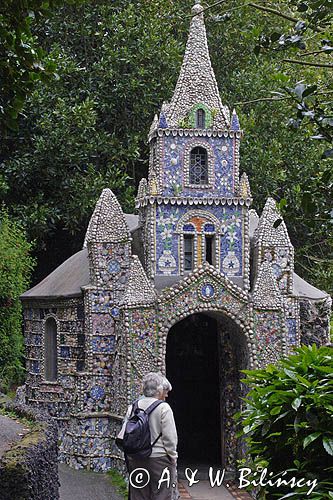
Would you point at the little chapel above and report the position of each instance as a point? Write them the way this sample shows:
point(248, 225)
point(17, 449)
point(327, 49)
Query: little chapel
point(195, 284)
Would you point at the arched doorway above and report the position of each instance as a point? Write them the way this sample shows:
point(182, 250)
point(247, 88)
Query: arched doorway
point(204, 354)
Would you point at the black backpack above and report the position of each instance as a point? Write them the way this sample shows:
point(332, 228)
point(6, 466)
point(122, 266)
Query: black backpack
point(137, 441)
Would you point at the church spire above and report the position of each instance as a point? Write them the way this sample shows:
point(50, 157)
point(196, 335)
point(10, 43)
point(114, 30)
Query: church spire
point(196, 84)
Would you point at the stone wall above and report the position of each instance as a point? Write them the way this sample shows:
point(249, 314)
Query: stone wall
point(314, 318)
point(29, 469)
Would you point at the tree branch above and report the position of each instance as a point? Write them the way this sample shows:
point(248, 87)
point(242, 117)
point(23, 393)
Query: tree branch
point(274, 11)
point(263, 99)
point(208, 8)
point(313, 53)
point(254, 5)
point(285, 98)
point(307, 63)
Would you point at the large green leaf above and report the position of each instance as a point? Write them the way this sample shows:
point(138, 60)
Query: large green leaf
point(328, 444)
point(309, 439)
point(296, 403)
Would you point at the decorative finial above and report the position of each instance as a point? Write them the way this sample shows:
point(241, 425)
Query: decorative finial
point(197, 7)
point(234, 121)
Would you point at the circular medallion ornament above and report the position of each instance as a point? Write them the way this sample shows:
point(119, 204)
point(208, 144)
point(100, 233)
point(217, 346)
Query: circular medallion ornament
point(207, 291)
point(115, 312)
point(97, 392)
point(230, 264)
point(114, 267)
point(167, 262)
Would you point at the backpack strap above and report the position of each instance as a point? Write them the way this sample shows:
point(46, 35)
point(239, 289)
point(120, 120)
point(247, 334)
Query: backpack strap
point(158, 437)
point(151, 408)
point(154, 405)
point(135, 406)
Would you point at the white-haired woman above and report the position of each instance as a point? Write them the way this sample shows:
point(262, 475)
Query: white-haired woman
point(161, 464)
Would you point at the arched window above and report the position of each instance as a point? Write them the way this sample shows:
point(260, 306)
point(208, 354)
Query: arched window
point(209, 230)
point(188, 252)
point(200, 118)
point(198, 166)
point(210, 248)
point(50, 351)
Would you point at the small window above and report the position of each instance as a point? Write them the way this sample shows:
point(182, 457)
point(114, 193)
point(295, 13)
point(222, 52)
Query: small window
point(200, 118)
point(50, 350)
point(198, 166)
point(209, 249)
point(188, 252)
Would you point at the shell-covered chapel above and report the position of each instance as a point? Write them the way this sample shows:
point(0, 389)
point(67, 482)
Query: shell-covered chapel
point(196, 285)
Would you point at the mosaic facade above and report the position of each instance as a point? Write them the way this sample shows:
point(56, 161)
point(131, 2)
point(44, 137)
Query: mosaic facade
point(196, 247)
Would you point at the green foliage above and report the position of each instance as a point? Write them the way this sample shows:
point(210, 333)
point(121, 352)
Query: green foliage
point(119, 482)
point(288, 420)
point(307, 37)
point(88, 130)
point(23, 62)
point(27, 422)
point(15, 268)
point(283, 160)
point(117, 62)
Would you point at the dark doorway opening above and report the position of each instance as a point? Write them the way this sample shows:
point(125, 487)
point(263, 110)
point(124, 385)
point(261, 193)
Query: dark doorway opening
point(193, 369)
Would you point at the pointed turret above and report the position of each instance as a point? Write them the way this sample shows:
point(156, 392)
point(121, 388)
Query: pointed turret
point(196, 84)
point(244, 187)
point(153, 127)
point(266, 293)
point(234, 121)
point(107, 223)
point(272, 229)
point(139, 290)
point(142, 189)
point(109, 242)
point(163, 123)
point(272, 244)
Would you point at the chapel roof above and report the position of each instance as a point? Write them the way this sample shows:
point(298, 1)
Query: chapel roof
point(65, 281)
point(68, 278)
point(73, 274)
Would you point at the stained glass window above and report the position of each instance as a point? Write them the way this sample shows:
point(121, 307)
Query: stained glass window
point(198, 166)
point(188, 228)
point(201, 119)
point(209, 228)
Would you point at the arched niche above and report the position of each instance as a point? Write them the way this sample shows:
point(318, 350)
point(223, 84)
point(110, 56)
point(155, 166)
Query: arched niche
point(50, 351)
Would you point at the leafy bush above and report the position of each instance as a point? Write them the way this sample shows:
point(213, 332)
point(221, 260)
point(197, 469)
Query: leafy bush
point(288, 421)
point(15, 268)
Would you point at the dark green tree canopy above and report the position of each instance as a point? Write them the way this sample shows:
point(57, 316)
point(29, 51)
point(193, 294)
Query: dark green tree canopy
point(117, 61)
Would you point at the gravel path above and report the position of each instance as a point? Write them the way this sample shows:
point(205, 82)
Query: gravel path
point(9, 433)
point(85, 485)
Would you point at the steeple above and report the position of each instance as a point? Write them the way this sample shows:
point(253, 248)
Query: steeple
point(196, 84)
